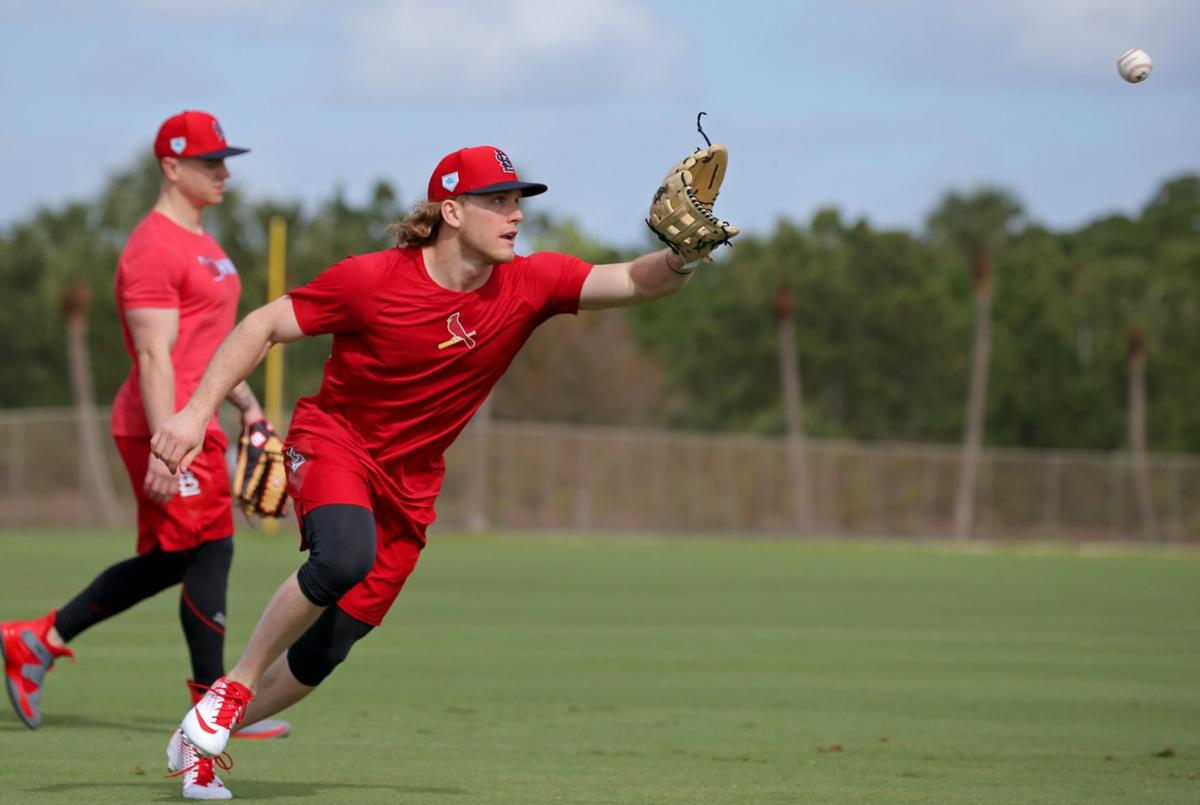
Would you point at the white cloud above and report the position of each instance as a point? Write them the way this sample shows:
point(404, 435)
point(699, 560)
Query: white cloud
point(476, 50)
point(527, 51)
point(211, 9)
point(1065, 42)
point(1073, 36)
point(221, 17)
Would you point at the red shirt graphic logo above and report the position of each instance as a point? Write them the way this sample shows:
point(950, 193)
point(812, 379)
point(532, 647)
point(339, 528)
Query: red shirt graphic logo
point(219, 268)
point(458, 333)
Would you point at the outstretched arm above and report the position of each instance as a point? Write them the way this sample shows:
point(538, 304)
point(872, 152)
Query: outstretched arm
point(649, 277)
point(681, 214)
point(178, 441)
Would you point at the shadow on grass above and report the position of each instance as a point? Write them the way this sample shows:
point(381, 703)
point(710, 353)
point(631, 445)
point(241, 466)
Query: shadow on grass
point(76, 721)
point(244, 789)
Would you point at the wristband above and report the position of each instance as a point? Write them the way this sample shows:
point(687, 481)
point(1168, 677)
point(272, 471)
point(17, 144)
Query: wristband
point(682, 271)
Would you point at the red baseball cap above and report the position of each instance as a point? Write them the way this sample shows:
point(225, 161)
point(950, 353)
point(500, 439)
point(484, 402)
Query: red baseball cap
point(193, 134)
point(482, 169)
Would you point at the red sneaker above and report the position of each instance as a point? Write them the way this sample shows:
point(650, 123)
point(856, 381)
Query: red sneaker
point(28, 655)
point(264, 729)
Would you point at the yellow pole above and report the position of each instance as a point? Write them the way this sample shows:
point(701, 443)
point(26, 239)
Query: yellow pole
point(276, 276)
point(276, 271)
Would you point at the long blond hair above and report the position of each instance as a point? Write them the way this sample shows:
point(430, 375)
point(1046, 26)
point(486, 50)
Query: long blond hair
point(420, 227)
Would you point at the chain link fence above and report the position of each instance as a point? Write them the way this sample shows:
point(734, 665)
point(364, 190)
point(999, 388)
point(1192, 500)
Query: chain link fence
point(510, 476)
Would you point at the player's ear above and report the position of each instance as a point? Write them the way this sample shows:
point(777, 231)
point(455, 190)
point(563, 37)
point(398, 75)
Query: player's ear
point(452, 212)
point(169, 167)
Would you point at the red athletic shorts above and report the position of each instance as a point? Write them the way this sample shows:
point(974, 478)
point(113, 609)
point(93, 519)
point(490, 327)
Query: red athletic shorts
point(201, 512)
point(322, 472)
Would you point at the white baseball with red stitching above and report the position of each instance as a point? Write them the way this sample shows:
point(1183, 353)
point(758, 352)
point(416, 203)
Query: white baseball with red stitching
point(1134, 65)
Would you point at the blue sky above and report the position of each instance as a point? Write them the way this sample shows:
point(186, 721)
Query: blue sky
point(872, 106)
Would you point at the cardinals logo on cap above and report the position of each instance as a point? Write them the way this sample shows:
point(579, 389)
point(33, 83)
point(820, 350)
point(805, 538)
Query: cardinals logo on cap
point(505, 162)
point(450, 181)
point(217, 130)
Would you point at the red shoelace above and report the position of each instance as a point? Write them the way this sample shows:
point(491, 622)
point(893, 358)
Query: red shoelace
point(204, 767)
point(235, 697)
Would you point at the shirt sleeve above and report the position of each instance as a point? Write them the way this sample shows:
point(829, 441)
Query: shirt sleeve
point(150, 277)
point(339, 300)
point(554, 282)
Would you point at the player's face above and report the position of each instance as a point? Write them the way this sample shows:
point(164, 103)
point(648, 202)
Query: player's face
point(202, 180)
point(489, 224)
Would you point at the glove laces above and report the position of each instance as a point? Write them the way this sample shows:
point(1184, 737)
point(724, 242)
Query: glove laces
point(700, 129)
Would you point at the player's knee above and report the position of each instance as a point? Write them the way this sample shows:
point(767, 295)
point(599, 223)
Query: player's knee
point(324, 646)
point(341, 542)
point(326, 577)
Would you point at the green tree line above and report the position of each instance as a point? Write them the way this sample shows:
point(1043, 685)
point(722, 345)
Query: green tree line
point(893, 333)
point(884, 323)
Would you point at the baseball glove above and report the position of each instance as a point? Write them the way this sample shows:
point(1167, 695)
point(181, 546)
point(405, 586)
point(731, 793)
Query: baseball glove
point(259, 479)
point(681, 212)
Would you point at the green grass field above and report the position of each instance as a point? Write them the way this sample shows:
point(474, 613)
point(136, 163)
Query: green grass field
point(538, 670)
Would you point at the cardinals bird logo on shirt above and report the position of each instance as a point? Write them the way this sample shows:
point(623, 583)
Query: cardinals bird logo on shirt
point(458, 333)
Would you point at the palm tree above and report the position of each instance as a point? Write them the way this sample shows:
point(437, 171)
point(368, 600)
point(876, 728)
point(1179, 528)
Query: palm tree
point(976, 227)
point(477, 494)
point(773, 276)
point(793, 410)
point(1138, 303)
point(76, 300)
point(1137, 435)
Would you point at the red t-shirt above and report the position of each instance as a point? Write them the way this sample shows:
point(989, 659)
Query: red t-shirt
point(164, 265)
point(412, 361)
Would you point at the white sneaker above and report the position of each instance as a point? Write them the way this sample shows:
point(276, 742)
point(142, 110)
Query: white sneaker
point(265, 729)
point(208, 724)
point(199, 779)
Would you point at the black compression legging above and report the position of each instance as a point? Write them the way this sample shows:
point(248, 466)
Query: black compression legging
point(204, 572)
point(341, 550)
point(324, 646)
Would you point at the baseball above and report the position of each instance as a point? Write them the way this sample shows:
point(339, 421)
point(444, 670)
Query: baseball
point(1134, 65)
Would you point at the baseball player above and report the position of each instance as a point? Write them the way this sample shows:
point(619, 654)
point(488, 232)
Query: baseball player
point(177, 293)
point(421, 334)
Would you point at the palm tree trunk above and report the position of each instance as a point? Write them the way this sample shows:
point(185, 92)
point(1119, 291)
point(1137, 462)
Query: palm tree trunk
point(964, 506)
point(1137, 437)
point(477, 513)
point(93, 468)
point(793, 409)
